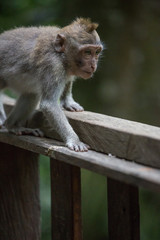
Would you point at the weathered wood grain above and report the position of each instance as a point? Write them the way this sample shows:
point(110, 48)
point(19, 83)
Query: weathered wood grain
point(122, 138)
point(19, 194)
point(66, 201)
point(125, 139)
point(113, 167)
point(123, 211)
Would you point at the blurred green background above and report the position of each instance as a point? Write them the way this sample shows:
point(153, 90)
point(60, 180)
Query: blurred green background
point(126, 85)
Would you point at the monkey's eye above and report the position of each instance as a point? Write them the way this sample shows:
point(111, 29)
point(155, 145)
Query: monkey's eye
point(88, 52)
point(98, 52)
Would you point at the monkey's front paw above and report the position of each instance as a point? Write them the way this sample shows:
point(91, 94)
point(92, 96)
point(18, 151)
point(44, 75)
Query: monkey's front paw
point(72, 106)
point(77, 146)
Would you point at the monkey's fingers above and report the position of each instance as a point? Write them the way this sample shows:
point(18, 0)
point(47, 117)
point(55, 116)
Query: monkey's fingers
point(26, 131)
point(78, 147)
point(83, 147)
point(73, 107)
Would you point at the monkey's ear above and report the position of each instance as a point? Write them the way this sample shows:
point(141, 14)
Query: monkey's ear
point(60, 43)
point(91, 27)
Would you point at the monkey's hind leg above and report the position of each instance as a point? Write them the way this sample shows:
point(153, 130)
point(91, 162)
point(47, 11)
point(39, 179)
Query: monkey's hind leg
point(26, 131)
point(16, 121)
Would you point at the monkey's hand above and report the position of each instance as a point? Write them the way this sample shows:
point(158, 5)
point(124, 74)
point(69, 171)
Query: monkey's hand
point(77, 146)
point(71, 105)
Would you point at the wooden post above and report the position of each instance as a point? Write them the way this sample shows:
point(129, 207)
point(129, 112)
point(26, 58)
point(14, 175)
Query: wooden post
point(66, 201)
point(19, 194)
point(123, 211)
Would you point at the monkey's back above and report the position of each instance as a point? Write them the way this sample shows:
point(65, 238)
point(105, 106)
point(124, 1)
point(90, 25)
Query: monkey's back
point(16, 47)
point(26, 33)
point(21, 41)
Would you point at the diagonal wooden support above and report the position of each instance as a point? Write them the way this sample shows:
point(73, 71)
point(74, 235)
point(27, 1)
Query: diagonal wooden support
point(66, 201)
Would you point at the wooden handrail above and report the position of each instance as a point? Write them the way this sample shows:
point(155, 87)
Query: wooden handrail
point(122, 138)
point(107, 165)
point(126, 152)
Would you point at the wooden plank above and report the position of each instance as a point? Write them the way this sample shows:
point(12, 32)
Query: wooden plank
point(110, 166)
point(19, 194)
point(66, 201)
point(123, 211)
point(122, 138)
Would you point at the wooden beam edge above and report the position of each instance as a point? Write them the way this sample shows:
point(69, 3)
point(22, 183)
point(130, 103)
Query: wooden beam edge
point(110, 166)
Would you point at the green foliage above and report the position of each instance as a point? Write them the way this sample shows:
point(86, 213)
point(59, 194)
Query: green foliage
point(150, 218)
point(94, 205)
point(27, 12)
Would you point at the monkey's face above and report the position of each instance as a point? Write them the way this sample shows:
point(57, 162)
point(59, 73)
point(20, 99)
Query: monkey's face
point(87, 60)
point(81, 59)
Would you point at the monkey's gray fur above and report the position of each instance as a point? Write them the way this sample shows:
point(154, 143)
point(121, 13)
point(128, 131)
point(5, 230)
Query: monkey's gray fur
point(30, 65)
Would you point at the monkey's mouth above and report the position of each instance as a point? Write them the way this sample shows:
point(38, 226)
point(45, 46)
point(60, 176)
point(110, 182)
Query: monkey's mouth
point(87, 72)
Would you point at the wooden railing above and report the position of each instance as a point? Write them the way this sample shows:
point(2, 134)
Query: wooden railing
point(127, 153)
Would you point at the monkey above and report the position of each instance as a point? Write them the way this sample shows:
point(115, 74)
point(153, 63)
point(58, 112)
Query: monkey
point(41, 64)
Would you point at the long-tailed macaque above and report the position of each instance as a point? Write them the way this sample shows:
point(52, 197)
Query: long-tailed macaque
point(41, 63)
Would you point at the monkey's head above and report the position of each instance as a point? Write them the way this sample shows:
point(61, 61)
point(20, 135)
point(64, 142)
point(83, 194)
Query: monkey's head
point(81, 47)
